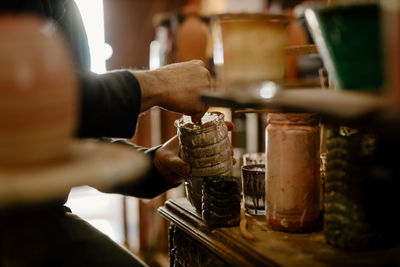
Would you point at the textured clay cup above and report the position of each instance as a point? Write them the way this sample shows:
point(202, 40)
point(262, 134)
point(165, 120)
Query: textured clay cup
point(38, 91)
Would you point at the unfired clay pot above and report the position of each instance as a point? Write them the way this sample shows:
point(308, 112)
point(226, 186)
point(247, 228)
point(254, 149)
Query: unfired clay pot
point(38, 91)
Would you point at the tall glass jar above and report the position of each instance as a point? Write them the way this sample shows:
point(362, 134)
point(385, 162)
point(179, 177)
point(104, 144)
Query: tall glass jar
point(293, 172)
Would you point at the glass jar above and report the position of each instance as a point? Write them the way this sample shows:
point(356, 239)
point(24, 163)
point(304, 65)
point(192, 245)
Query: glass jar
point(193, 187)
point(293, 172)
point(253, 185)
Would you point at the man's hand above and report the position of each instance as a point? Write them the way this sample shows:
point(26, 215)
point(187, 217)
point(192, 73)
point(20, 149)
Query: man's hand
point(168, 162)
point(175, 87)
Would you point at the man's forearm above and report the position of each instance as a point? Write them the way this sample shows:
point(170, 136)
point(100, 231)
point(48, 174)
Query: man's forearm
point(110, 104)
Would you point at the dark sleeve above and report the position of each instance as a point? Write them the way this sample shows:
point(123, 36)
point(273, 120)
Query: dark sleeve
point(150, 185)
point(110, 104)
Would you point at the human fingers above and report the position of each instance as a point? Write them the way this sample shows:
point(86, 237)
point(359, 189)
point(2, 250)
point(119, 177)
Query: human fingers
point(196, 118)
point(177, 167)
point(230, 125)
point(169, 164)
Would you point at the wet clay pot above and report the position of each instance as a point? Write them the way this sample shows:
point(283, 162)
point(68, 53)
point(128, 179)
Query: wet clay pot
point(38, 91)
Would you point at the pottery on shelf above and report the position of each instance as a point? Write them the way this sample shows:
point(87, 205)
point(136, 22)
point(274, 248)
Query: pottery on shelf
point(348, 37)
point(206, 148)
point(248, 48)
point(221, 201)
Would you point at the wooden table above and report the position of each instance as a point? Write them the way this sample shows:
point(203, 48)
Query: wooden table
point(192, 243)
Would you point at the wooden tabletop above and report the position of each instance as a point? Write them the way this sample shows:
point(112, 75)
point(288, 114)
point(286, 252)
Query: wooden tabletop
point(270, 248)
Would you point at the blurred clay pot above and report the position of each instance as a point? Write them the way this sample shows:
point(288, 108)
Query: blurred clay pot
point(38, 91)
point(248, 48)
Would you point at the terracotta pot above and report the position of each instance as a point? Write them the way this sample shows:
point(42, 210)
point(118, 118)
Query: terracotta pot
point(38, 90)
point(248, 48)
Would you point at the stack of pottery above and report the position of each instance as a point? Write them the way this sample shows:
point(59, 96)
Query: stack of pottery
point(221, 201)
point(206, 147)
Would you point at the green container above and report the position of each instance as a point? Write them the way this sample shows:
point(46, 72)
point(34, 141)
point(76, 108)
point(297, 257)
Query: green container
point(349, 41)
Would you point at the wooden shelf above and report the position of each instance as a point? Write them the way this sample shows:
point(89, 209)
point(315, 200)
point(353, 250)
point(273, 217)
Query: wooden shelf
point(343, 104)
point(270, 248)
point(350, 108)
point(297, 50)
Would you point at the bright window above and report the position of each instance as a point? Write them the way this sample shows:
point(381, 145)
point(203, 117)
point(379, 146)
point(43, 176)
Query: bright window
point(103, 211)
point(93, 18)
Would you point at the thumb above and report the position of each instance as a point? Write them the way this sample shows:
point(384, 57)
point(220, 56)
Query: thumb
point(178, 166)
point(196, 118)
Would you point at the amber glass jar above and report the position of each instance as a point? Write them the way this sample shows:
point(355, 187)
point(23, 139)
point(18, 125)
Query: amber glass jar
point(293, 172)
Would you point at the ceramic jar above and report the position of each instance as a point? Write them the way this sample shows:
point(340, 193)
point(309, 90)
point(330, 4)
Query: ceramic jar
point(192, 36)
point(248, 48)
point(293, 172)
point(38, 91)
point(206, 148)
point(221, 201)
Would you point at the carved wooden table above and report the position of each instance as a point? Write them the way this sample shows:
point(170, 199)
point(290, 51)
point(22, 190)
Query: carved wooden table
point(192, 243)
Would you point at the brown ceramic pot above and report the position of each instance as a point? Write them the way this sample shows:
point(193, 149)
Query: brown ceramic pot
point(248, 48)
point(38, 91)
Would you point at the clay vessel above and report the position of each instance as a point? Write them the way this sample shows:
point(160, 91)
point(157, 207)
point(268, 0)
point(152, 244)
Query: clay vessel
point(248, 48)
point(38, 91)
point(292, 172)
